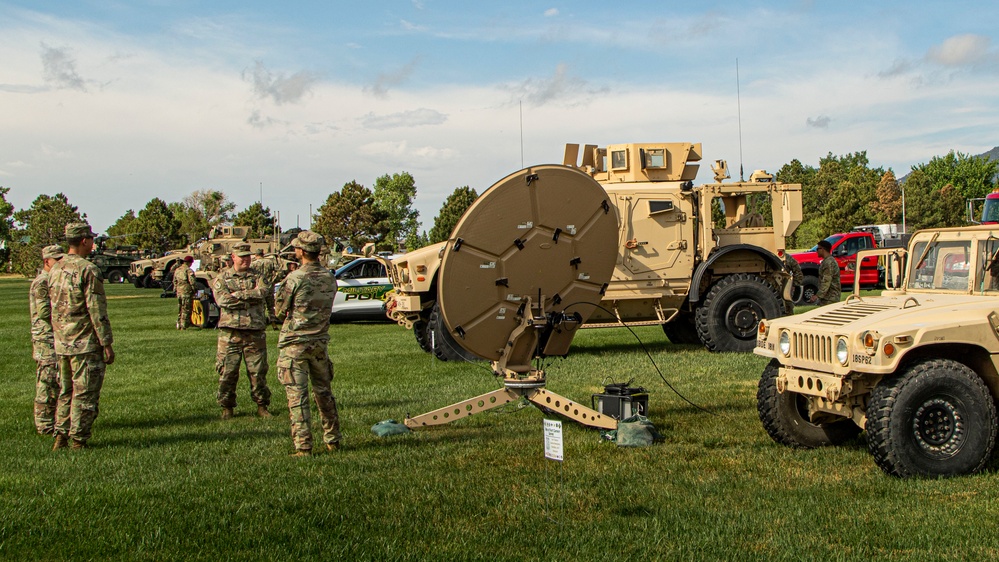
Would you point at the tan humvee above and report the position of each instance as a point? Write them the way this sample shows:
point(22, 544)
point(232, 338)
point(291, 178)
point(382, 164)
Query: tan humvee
point(675, 268)
point(915, 367)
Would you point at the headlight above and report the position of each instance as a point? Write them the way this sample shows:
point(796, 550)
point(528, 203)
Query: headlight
point(842, 352)
point(785, 343)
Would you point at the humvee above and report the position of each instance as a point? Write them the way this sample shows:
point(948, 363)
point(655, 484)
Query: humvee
point(705, 283)
point(916, 367)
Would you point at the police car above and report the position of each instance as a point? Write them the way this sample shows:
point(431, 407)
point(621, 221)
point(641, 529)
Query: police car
point(361, 288)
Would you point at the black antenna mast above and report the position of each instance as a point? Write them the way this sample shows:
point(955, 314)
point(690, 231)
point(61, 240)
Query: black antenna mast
point(738, 101)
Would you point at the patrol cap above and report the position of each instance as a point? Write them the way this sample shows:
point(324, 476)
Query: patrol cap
point(52, 252)
point(79, 230)
point(308, 241)
point(241, 250)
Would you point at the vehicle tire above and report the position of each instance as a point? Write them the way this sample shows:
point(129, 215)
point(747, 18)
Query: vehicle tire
point(936, 418)
point(730, 314)
point(150, 283)
point(422, 335)
point(444, 345)
point(681, 330)
point(785, 417)
point(116, 276)
point(809, 288)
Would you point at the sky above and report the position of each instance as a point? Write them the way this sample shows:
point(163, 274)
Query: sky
point(115, 102)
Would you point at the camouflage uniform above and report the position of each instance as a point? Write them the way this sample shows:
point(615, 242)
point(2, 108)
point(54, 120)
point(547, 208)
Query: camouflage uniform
point(82, 332)
point(797, 279)
point(304, 303)
point(43, 350)
point(829, 285)
point(183, 285)
point(268, 269)
point(242, 335)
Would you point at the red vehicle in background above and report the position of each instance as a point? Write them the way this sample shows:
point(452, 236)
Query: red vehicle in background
point(990, 210)
point(844, 250)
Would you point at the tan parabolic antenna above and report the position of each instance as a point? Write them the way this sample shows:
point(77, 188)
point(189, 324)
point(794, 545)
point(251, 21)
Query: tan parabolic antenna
point(521, 272)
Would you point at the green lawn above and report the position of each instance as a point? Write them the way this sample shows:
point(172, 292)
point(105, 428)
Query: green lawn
point(167, 479)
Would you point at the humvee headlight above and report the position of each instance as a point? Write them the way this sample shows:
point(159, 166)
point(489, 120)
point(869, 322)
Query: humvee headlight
point(785, 343)
point(842, 353)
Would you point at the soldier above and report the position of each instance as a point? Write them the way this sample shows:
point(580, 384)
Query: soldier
point(43, 345)
point(829, 285)
point(268, 269)
point(82, 337)
point(303, 305)
point(183, 285)
point(797, 278)
point(241, 296)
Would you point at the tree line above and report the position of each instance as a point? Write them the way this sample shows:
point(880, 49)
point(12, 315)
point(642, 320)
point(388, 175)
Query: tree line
point(841, 192)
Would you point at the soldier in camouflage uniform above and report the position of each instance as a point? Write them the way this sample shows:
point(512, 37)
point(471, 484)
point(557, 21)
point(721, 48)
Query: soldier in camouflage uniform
point(829, 284)
point(241, 296)
point(797, 279)
point(304, 303)
point(183, 285)
point(82, 337)
point(43, 345)
point(269, 270)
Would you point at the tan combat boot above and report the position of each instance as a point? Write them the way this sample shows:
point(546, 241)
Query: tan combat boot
point(262, 412)
point(302, 453)
point(334, 446)
point(78, 444)
point(61, 441)
point(227, 413)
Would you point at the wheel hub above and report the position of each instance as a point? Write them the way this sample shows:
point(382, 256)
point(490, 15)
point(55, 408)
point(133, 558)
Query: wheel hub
point(938, 428)
point(742, 318)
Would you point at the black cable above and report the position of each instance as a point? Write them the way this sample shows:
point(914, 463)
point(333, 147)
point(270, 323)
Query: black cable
point(651, 360)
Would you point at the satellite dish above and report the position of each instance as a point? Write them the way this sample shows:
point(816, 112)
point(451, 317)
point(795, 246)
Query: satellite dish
point(521, 272)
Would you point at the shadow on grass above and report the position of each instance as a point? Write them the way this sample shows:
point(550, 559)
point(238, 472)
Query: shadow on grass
point(147, 442)
point(198, 419)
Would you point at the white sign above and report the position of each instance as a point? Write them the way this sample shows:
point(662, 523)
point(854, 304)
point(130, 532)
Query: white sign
point(553, 440)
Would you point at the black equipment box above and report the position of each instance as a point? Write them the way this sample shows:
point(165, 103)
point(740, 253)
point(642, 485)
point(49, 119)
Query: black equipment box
point(621, 401)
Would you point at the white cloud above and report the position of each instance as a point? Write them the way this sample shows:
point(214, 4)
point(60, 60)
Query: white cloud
point(277, 87)
point(394, 78)
point(960, 50)
point(561, 87)
point(411, 118)
point(820, 122)
point(551, 12)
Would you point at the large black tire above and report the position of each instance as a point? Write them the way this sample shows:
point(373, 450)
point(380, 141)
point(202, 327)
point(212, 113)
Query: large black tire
point(116, 276)
point(809, 288)
point(681, 330)
point(730, 314)
point(935, 418)
point(150, 283)
point(785, 417)
point(444, 345)
point(422, 336)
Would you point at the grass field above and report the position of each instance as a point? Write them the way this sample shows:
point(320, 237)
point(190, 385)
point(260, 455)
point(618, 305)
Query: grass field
point(167, 479)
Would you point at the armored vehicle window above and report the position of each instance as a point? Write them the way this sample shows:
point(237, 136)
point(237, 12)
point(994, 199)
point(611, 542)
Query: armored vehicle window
point(619, 159)
point(655, 158)
point(987, 272)
point(660, 207)
point(945, 266)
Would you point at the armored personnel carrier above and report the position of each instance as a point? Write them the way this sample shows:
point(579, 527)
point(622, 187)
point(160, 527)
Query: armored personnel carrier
point(705, 283)
point(114, 264)
point(916, 367)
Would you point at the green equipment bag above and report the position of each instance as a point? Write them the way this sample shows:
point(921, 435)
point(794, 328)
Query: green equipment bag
point(636, 431)
point(386, 428)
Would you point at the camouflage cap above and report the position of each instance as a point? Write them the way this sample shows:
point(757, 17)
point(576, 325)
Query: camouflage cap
point(308, 241)
point(52, 252)
point(79, 230)
point(241, 250)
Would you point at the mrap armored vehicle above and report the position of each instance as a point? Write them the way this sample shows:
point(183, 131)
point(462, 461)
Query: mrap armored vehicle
point(916, 367)
point(705, 283)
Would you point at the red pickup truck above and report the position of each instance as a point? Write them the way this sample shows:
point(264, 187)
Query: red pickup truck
point(844, 249)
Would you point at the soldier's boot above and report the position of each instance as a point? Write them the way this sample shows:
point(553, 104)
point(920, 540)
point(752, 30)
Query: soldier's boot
point(78, 444)
point(61, 441)
point(262, 412)
point(227, 413)
point(334, 446)
point(302, 453)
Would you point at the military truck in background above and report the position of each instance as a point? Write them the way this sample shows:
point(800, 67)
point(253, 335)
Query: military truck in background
point(703, 283)
point(916, 367)
point(114, 264)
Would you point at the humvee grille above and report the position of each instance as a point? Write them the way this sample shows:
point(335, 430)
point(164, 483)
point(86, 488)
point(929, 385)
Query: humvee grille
point(842, 316)
point(809, 347)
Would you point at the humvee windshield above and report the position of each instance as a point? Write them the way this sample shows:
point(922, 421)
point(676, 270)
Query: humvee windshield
point(944, 266)
point(987, 273)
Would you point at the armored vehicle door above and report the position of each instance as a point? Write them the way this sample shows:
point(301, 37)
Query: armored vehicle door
point(656, 236)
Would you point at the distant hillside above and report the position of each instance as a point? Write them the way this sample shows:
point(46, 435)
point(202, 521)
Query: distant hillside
point(991, 155)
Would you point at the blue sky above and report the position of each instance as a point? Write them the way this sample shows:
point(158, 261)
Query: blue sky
point(114, 103)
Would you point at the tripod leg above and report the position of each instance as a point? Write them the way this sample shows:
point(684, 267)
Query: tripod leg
point(572, 410)
point(463, 409)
